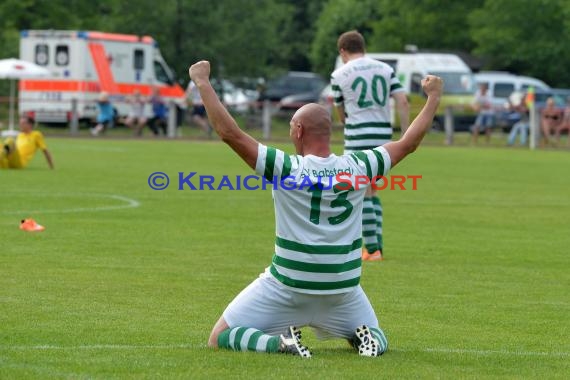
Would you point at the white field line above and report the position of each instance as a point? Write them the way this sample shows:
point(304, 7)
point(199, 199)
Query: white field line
point(83, 148)
point(443, 350)
point(482, 203)
point(102, 347)
point(127, 203)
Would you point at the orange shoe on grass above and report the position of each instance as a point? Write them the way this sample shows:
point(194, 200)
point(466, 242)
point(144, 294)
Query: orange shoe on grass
point(376, 256)
point(31, 225)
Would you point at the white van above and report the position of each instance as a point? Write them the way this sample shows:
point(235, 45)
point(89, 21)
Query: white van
point(500, 85)
point(84, 63)
point(411, 68)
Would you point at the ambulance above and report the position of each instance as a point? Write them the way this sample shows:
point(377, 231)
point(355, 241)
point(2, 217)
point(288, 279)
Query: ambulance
point(85, 63)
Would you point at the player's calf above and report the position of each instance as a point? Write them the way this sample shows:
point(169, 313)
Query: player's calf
point(250, 339)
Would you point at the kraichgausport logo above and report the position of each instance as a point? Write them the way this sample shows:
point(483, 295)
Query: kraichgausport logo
point(341, 181)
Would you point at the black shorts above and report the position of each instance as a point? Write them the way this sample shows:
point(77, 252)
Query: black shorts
point(199, 110)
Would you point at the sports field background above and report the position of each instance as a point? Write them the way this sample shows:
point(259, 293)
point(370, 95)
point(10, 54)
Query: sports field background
point(126, 282)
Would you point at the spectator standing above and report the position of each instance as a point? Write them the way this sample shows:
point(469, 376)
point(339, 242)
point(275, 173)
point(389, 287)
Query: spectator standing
point(485, 114)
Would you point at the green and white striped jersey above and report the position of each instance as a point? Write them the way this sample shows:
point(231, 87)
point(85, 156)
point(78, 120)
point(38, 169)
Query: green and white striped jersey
point(363, 86)
point(318, 242)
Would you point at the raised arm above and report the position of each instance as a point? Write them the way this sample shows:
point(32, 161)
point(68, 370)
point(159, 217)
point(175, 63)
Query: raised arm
point(398, 150)
point(223, 123)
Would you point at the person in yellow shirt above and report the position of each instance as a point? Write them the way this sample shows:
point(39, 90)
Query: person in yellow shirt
point(16, 154)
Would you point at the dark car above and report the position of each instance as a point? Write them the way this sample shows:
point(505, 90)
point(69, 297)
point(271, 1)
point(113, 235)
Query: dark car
point(294, 89)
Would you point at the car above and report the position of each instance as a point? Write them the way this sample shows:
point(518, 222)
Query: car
point(500, 85)
point(293, 89)
point(235, 98)
point(326, 97)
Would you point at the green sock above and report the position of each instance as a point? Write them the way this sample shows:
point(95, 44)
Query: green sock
point(381, 338)
point(248, 339)
point(378, 216)
point(369, 226)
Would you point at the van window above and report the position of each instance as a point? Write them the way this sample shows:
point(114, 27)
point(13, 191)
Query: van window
point(161, 74)
point(42, 55)
point(61, 55)
point(139, 59)
point(503, 90)
point(457, 83)
point(416, 85)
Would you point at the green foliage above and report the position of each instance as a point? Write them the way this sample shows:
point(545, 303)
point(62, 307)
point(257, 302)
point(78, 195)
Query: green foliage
point(432, 24)
point(298, 33)
point(337, 17)
point(525, 36)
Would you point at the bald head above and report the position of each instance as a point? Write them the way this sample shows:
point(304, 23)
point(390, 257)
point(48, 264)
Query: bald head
point(315, 119)
point(311, 129)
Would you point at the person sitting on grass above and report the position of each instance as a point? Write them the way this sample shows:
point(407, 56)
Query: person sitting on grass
point(314, 277)
point(17, 154)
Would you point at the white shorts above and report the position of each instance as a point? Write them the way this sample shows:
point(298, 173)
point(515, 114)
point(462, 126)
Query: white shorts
point(271, 307)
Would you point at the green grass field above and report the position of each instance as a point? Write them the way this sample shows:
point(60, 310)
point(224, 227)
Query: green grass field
point(126, 282)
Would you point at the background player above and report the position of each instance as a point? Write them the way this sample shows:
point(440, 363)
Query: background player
point(16, 154)
point(362, 88)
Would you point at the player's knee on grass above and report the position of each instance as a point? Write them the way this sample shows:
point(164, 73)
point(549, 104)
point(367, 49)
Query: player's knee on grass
point(213, 340)
point(218, 328)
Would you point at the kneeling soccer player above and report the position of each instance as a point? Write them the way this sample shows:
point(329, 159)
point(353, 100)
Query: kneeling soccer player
point(314, 277)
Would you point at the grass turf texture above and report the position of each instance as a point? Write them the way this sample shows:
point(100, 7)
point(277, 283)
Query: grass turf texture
point(475, 284)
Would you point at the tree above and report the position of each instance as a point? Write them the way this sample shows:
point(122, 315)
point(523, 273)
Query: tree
point(525, 37)
point(428, 24)
point(337, 17)
point(247, 40)
point(298, 33)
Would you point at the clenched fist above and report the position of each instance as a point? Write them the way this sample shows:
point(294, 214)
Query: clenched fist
point(199, 72)
point(432, 85)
